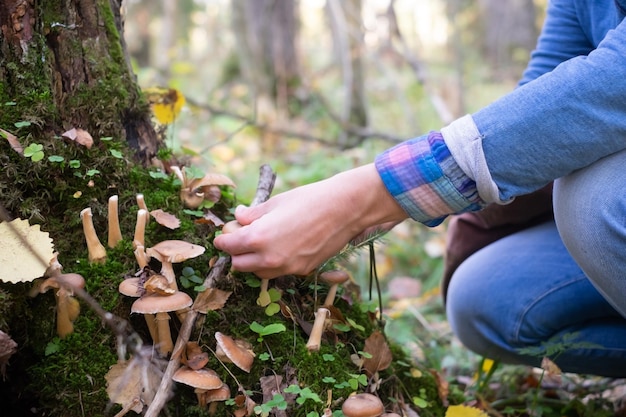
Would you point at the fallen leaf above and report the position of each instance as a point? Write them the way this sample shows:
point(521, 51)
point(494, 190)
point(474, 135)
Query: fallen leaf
point(79, 136)
point(165, 219)
point(26, 251)
point(381, 356)
point(464, 411)
point(13, 141)
point(210, 218)
point(211, 299)
point(124, 385)
point(443, 388)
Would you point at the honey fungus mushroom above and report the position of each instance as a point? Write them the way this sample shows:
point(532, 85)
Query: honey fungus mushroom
point(67, 306)
point(202, 380)
point(238, 352)
point(194, 191)
point(96, 252)
point(161, 306)
point(170, 252)
point(362, 405)
point(333, 278)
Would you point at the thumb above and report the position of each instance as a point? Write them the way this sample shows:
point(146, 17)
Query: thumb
point(246, 215)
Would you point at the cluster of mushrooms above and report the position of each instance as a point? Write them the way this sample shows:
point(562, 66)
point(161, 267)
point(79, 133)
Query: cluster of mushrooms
point(158, 296)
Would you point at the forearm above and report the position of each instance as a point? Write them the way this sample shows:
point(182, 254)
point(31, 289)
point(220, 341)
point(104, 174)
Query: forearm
point(560, 122)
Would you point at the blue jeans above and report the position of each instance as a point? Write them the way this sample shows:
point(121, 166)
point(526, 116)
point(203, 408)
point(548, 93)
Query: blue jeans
point(554, 285)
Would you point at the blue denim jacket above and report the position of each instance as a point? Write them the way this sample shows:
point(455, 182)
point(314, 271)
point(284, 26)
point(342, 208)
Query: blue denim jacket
point(569, 111)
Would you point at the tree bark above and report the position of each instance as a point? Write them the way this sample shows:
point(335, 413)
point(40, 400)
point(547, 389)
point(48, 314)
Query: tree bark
point(64, 65)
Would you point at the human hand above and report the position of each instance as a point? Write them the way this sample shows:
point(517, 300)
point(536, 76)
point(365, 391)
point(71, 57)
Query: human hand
point(296, 231)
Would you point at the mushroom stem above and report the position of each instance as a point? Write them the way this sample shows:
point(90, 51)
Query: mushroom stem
point(167, 270)
point(166, 345)
point(140, 228)
point(264, 296)
point(152, 327)
point(115, 233)
point(141, 202)
point(97, 252)
point(315, 338)
point(141, 257)
point(330, 297)
point(64, 322)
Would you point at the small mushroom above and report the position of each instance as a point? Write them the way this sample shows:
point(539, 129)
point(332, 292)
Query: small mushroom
point(115, 233)
point(238, 352)
point(170, 252)
point(96, 252)
point(315, 338)
point(362, 405)
point(68, 307)
point(194, 191)
point(202, 380)
point(161, 305)
point(140, 228)
point(333, 278)
point(194, 357)
point(132, 287)
point(214, 396)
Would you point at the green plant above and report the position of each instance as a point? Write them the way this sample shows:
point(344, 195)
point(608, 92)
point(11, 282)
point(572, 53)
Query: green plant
point(263, 331)
point(34, 151)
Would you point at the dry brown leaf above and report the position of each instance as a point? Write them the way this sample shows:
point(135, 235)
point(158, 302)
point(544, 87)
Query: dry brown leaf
point(443, 388)
point(124, 385)
point(210, 218)
point(26, 251)
point(165, 219)
point(13, 141)
point(211, 299)
point(381, 355)
point(79, 136)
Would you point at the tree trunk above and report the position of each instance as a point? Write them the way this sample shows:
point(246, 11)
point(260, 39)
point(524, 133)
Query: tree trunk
point(63, 65)
point(266, 33)
point(509, 34)
point(347, 29)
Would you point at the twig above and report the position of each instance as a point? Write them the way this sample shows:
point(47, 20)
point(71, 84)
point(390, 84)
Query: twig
point(162, 394)
point(264, 189)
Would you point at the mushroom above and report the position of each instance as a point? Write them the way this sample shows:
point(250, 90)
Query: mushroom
point(68, 307)
point(140, 228)
point(194, 191)
point(362, 405)
point(97, 252)
point(194, 357)
point(161, 305)
point(115, 233)
point(170, 252)
point(213, 396)
point(315, 338)
point(238, 352)
point(333, 278)
point(202, 380)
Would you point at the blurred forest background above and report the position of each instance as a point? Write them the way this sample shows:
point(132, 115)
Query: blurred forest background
point(313, 87)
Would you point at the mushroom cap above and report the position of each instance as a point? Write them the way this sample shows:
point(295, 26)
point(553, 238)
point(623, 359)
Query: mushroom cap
point(336, 276)
point(70, 280)
point(154, 303)
point(219, 394)
point(239, 354)
point(202, 378)
point(362, 405)
point(131, 287)
point(175, 251)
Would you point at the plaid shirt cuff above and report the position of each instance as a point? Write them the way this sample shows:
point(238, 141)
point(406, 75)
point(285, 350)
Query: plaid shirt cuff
point(426, 181)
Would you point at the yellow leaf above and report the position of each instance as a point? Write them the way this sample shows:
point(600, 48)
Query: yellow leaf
point(166, 103)
point(464, 411)
point(25, 251)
